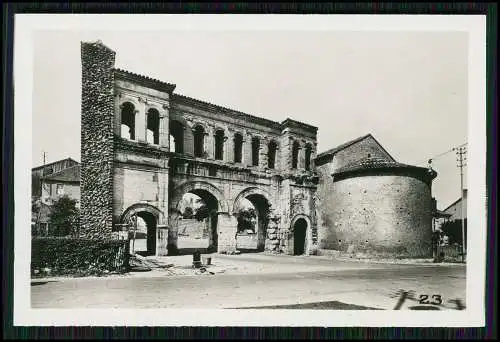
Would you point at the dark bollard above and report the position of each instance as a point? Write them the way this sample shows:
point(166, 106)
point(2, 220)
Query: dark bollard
point(196, 259)
point(209, 261)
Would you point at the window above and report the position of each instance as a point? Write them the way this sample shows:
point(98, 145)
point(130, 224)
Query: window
point(59, 189)
point(128, 121)
point(308, 157)
point(176, 136)
point(153, 127)
point(255, 151)
point(295, 154)
point(271, 154)
point(199, 141)
point(219, 145)
point(238, 147)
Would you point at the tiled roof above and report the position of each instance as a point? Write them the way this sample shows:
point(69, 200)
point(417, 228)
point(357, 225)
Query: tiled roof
point(169, 87)
point(70, 174)
point(375, 163)
point(147, 81)
point(342, 146)
point(58, 161)
point(231, 112)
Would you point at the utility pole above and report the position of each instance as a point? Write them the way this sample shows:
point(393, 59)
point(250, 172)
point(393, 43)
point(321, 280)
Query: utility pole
point(462, 162)
point(44, 154)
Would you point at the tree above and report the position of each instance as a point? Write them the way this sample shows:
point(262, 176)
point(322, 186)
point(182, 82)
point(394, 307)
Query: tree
point(202, 212)
point(64, 217)
point(453, 229)
point(188, 213)
point(246, 219)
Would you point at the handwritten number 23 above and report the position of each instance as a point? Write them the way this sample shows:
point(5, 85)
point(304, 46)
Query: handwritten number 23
point(437, 300)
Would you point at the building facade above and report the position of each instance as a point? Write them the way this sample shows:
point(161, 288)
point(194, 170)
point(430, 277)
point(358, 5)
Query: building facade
point(48, 183)
point(454, 210)
point(373, 205)
point(44, 170)
point(62, 183)
point(144, 147)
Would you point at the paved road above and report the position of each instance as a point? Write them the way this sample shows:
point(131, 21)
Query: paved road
point(357, 284)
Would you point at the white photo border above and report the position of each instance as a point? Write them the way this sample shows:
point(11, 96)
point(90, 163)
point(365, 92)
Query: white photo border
point(474, 316)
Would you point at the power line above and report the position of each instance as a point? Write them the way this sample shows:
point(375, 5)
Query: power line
point(430, 160)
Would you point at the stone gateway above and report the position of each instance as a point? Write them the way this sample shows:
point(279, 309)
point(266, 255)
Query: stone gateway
point(143, 147)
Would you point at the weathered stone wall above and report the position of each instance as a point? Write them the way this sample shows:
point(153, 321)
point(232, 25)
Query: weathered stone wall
point(378, 215)
point(122, 174)
point(97, 140)
point(134, 185)
point(365, 148)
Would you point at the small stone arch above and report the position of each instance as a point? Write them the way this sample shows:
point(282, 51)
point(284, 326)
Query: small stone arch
point(153, 106)
point(152, 217)
point(248, 192)
point(139, 207)
point(126, 98)
point(298, 216)
point(307, 238)
point(180, 119)
point(184, 188)
point(206, 129)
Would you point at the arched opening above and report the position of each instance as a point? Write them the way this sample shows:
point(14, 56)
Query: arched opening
point(299, 236)
point(271, 155)
point(252, 215)
point(128, 121)
point(196, 223)
point(219, 144)
point(142, 230)
point(295, 154)
point(308, 152)
point(153, 127)
point(176, 136)
point(199, 141)
point(238, 147)
point(255, 151)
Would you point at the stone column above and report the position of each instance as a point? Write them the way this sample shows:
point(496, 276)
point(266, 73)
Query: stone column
point(140, 122)
point(313, 154)
point(263, 150)
point(164, 127)
point(228, 146)
point(247, 149)
point(188, 141)
point(162, 240)
point(118, 116)
point(163, 189)
point(173, 217)
point(301, 160)
point(210, 142)
point(226, 230)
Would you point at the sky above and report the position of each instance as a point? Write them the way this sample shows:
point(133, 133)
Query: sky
point(408, 89)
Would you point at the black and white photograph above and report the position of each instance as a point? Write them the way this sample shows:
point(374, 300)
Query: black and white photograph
point(250, 170)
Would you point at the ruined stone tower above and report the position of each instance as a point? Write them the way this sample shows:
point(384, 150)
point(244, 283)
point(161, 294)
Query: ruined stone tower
point(97, 113)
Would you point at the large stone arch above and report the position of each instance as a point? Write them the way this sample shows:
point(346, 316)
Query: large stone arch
point(184, 188)
point(261, 200)
point(248, 192)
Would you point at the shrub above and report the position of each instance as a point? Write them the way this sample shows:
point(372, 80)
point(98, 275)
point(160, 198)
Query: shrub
point(64, 215)
point(79, 257)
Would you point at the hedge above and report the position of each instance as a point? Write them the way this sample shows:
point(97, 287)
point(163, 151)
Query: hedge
point(57, 256)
